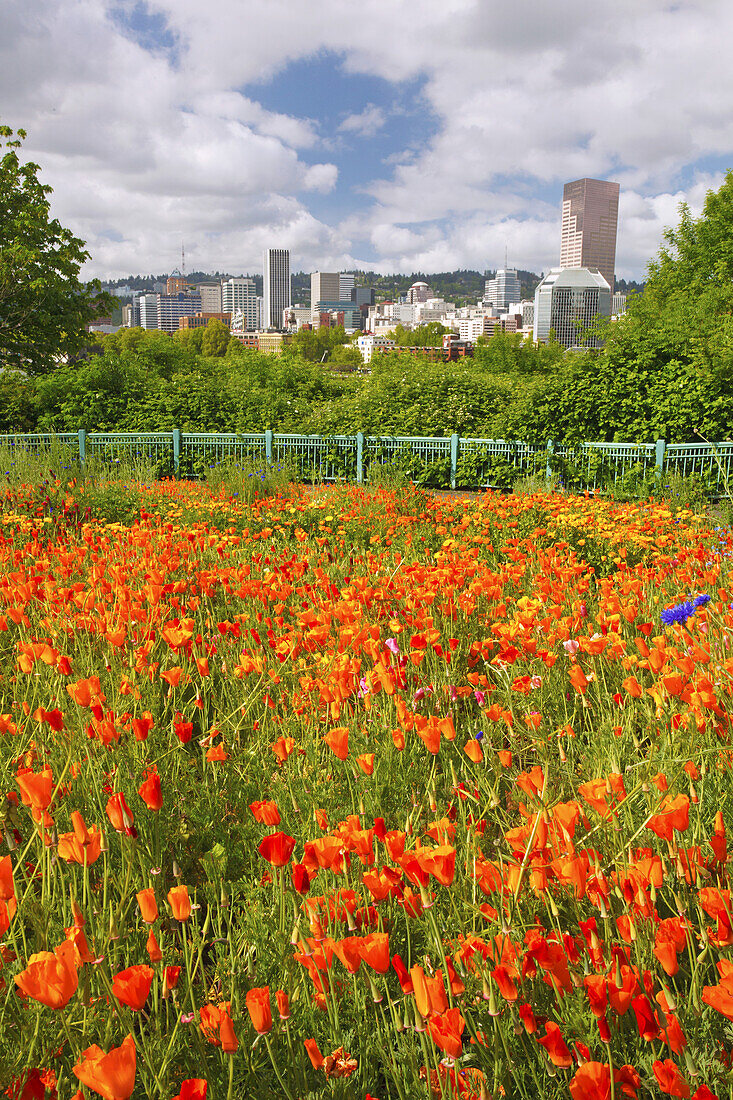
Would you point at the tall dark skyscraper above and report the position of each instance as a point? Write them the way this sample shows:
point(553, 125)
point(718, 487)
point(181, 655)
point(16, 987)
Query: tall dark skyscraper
point(589, 226)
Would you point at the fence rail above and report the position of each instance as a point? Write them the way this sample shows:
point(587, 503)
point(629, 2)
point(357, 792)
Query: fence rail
point(442, 461)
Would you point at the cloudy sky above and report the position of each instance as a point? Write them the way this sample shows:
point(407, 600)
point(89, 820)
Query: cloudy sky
point(401, 135)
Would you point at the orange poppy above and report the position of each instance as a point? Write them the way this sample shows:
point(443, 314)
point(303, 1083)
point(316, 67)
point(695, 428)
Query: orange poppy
point(337, 740)
point(147, 903)
point(51, 977)
point(258, 1006)
point(674, 814)
point(218, 1027)
point(429, 991)
point(36, 789)
point(132, 986)
point(111, 1075)
point(7, 886)
point(374, 950)
point(153, 948)
point(83, 846)
point(179, 902)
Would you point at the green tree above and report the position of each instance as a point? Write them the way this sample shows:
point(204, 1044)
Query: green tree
point(43, 305)
point(216, 338)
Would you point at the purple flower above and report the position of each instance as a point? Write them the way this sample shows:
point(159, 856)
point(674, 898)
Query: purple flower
point(680, 613)
point(700, 601)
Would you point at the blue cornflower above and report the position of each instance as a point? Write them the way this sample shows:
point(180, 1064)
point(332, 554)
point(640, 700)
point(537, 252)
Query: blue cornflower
point(480, 735)
point(680, 613)
point(700, 601)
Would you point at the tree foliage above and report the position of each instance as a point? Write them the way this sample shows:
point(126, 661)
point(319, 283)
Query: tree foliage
point(43, 304)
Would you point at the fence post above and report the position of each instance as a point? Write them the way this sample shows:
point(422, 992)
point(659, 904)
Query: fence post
point(176, 449)
point(453, 459)
point(268, 445)
point(548, 467)
point(82, 445)
point(359, 458)
point(661, 447)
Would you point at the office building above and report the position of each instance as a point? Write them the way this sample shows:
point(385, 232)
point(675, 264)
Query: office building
point(201, 320)
point(326, 287)
point(347, 284)
point(618, 305)
point(503, 288)
point(567, 301)
point(171, 307)
point(147, 310)
point(176, 283)
point(419, 292)
point(210, 297)
point(240, 295)
point(589, 226)
point(276, 286)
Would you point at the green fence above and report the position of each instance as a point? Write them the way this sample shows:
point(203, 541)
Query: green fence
point(438, 461)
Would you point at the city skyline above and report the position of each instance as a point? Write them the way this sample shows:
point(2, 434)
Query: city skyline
point(376, 151)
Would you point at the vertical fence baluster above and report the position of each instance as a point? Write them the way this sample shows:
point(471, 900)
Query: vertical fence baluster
point(454, 443)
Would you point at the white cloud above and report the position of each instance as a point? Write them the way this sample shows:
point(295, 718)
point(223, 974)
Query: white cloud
point(148, 146)
point(366, 123)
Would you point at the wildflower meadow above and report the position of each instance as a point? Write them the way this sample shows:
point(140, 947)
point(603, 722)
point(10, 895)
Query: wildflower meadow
point(364, 794)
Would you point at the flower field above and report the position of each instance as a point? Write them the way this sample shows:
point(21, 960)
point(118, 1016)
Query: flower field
point(365, 795)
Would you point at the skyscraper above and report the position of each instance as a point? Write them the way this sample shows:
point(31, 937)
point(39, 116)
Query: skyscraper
point(240, 294)
point(567, 301)
point(276, 286)
point(589, 226)
point(503, 289)
point(326, 287)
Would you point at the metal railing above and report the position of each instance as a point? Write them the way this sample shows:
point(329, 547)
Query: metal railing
point(442, 461)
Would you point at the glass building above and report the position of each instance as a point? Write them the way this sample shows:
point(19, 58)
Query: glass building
point(589, 226)
point(567, 301)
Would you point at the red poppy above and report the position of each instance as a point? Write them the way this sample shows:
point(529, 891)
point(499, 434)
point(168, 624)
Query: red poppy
point(446, 1029)
point(149, 790)
point(120, 814)
point(132, 986)
point(266, 813)
point(670, 1080)
point(555, 1045)
point(192, 1089)
point(277, 848)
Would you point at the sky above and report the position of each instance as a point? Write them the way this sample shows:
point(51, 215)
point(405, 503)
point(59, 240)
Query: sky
point(390, 135)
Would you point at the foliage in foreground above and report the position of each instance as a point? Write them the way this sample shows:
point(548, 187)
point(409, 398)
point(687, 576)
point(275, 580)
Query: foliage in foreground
point(445, 782)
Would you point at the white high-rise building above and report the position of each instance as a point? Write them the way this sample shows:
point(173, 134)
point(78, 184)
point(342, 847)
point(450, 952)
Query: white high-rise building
point(346, 286)
point(276, 286)
point(239, 295)
point(567, 301)
point(503, 289)
point(148, 310)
